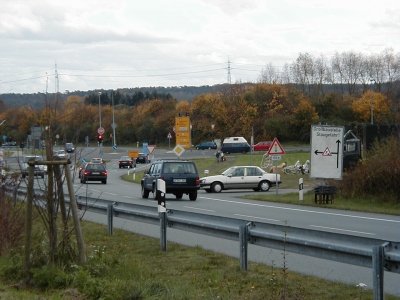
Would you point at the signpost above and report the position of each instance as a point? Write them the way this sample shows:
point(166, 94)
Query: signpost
point(100, 130)
point(326, 152)
point(169, 137)
point(275, 151)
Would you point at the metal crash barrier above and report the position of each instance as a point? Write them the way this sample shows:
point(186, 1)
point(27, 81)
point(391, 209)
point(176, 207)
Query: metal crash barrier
point(379, 255)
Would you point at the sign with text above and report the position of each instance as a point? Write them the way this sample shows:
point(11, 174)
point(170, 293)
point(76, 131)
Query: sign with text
point(183, 132)
point(326, 151)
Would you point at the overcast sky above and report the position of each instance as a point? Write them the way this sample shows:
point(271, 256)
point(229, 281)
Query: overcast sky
point(103, 44)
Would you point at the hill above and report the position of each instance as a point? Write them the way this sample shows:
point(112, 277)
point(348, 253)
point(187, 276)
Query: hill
point(38, 100)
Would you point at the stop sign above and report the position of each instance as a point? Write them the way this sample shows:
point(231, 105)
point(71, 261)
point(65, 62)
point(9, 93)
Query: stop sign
point(100, 130)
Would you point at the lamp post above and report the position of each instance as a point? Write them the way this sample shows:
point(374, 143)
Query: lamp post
point(113, 122)
point(371, 105)
point(99, 110)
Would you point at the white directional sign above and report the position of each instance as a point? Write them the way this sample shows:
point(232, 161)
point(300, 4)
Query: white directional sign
point(326, 151)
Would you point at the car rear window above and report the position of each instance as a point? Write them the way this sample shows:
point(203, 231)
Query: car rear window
point(179, 167)
point(96, 167)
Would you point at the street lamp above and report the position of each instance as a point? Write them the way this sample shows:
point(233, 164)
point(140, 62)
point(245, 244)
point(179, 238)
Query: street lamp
point(371, 105)
point(113, 121)
point(99, 109)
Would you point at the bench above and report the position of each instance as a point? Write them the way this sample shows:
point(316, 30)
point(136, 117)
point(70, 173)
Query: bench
point(324, 194)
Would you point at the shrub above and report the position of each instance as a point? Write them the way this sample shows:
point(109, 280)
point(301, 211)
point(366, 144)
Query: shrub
point(12, 223)
point(378, 175)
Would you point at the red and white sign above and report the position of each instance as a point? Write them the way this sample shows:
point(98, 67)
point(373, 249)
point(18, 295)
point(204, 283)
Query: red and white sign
point(100, 130)
point(276, 148)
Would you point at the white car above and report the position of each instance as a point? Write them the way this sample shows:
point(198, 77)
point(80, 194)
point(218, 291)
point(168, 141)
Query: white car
point(60, 154)
point(240, 177)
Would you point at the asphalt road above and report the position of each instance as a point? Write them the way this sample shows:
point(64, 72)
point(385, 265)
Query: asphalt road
point(230, 204)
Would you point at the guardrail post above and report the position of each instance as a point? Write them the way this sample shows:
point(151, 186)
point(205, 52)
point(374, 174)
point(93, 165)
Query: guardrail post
point(301, 187)
point(162, 210)
point(110, 218)
point(243, 240)
point(377, 269)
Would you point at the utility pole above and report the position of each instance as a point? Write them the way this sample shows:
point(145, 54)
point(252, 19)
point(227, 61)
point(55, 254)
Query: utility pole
point(229, 72)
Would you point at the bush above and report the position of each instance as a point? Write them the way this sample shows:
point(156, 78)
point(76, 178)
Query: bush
point(378, 175)
point(12, 223)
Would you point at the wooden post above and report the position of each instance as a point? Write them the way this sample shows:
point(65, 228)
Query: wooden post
point(74, 209)
point(28, 223)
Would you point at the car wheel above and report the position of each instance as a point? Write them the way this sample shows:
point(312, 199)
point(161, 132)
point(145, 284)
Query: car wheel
point(193, 196)
point(178, 195)
point(104, 181)
point(42, 175)
point(83, 180)
point(145, 193)
point(216, 187)
point(264, 186)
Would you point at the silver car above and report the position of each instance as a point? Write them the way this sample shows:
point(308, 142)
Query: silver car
point(240, 177)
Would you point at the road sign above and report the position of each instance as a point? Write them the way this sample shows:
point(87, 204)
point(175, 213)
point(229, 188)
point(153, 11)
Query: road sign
point(151, 148)
point(326, 152)
point(276, 148)
point(169, 136)
point(178, 150)
point(100, 130)
point(276, 157)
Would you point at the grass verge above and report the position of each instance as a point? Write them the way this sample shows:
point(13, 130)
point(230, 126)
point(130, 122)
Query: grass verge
point(130, 266)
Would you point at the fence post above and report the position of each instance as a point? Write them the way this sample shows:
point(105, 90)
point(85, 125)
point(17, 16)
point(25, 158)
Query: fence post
point(377, 269)
point(243, 240)
point(110, 218)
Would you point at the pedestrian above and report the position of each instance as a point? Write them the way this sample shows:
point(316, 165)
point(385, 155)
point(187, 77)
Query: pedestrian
point(217, 155)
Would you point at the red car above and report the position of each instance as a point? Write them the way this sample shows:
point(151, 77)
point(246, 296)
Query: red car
point(262, 146)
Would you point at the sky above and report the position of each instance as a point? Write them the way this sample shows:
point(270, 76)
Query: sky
point(103, 44)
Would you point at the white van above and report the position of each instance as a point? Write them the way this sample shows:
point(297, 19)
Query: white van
point(236, 144)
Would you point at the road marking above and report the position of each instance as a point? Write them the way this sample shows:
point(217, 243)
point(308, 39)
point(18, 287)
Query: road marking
point(339, 229)
point(112, 194)
point(257, 218)
point(303, 210)
point(196, 208)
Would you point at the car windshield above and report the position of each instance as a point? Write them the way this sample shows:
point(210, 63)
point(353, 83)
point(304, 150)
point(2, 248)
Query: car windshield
point(179, 167)
point(27, 158)
point(125, 158)
point(228, 171)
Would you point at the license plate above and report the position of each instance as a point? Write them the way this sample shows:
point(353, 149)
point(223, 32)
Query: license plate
point(95, 173)
point(180, 180)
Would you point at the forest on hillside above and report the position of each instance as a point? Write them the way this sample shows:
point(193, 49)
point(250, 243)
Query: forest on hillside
point(349, 89)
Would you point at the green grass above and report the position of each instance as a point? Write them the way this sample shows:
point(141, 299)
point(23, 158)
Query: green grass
point(288, 182)
point(130, 266)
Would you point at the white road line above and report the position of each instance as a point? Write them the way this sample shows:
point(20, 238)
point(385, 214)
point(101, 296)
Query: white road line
point(196, 208)
point(302, 210)
point(257, 218)
point(339, 229)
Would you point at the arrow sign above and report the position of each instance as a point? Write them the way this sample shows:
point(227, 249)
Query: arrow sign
point(276, 148)
point(327, 153)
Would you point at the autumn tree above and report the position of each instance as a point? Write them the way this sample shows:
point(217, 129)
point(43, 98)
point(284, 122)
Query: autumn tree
point(304, 116)
point(373, 107)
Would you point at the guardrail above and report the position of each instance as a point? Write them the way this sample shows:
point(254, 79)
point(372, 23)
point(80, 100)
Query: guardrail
point(377, 254)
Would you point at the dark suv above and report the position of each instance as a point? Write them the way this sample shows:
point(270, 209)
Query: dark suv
point(180, 176)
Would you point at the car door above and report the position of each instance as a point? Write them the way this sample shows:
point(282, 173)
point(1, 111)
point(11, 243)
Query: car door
point(151, 176)
point(236, 179)
point(253, 177)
